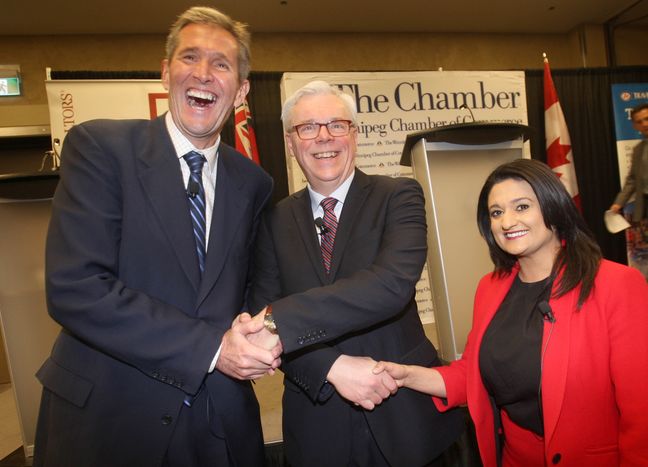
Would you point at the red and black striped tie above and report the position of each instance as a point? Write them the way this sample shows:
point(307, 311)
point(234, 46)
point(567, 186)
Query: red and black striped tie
point(328, 238)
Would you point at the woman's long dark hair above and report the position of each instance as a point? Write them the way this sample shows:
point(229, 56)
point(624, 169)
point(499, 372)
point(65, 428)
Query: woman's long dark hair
point(580, 255)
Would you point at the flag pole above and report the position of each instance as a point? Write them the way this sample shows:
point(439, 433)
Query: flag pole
point(557, 141)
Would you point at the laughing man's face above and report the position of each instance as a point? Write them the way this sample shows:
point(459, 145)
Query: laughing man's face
point(202, 80)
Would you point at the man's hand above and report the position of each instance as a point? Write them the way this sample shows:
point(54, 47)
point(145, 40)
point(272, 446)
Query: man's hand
point(262, 338)
point(354, 380)
point(242, 359)
point(616, 208)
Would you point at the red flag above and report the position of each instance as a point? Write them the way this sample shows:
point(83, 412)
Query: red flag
point(244, 133)
point(558, 144)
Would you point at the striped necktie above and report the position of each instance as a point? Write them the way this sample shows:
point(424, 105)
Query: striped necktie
point(196, 193)
point(328, 238)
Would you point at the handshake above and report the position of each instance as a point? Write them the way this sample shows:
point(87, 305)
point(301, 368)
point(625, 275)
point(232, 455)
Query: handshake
point(250, 351)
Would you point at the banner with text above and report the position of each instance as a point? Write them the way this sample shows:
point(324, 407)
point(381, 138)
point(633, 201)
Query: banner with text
point(75, 101)
point(392, 105)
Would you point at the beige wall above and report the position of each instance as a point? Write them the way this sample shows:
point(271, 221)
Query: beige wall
point(35, 53)
point(409, 51)
point(584, 46)
point(632, 46)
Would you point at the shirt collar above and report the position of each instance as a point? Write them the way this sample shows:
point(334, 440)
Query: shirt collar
point(182, 145)
point(340, 193)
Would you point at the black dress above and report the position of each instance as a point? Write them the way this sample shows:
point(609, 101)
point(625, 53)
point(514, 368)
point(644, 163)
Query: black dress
point(510, 354)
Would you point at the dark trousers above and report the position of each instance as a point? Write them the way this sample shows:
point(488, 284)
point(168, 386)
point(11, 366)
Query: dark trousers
point(192, 443)
point(364, 449)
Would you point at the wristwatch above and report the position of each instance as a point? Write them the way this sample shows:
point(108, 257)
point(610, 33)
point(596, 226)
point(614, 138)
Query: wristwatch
point(268, 321)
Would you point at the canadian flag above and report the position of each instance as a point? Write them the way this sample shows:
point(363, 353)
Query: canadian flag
point(558, 144)
point(245, 139)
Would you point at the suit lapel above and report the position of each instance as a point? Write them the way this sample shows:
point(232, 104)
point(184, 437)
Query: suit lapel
point(230, 204)
point(303, 215)
point(492, 300)
point(488, 303)
point(353, 203)
point(556, 359)
point(162, 182)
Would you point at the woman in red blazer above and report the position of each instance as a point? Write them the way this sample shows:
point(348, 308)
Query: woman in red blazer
point(555, 369)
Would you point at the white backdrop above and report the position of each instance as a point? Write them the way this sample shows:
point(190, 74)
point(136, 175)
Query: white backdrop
point(75, 101)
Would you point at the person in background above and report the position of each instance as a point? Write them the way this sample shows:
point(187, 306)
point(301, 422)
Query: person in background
point(636, 188)
point(555, 369)
point(636, 184)
point(147, 266)
point(337, 265)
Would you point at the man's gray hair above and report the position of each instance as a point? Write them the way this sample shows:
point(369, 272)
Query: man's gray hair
point(316, 88)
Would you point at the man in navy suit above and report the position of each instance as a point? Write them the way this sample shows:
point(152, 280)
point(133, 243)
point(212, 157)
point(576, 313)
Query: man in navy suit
point(148, 369)
point(337, 265)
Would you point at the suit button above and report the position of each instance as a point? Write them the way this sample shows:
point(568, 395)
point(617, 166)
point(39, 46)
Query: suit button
point(556, 458)
point(167, 419)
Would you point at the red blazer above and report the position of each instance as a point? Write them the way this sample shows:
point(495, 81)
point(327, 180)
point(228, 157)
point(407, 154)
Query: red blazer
point(595, 372)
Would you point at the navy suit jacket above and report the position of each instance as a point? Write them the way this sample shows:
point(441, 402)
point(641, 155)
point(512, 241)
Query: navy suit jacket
point(364, 307)
point(139, 326)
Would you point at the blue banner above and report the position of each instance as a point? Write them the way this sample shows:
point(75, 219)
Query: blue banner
point(624, 98)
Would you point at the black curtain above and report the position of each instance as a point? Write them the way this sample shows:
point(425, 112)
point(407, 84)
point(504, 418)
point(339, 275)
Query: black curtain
point(586, 99)
point(264, 101)
point(585, 96)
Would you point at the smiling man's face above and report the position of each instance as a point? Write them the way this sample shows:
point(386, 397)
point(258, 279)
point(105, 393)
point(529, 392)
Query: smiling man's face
point(202, 80)
point(327, 161)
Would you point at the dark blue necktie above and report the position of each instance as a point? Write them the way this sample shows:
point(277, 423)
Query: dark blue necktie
point(196, 193)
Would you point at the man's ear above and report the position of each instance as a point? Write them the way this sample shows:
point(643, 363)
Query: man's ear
point(242, 93)
point(165, 74)
point(289, 143)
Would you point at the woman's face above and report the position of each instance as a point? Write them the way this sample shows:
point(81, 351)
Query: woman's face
point(517, 224)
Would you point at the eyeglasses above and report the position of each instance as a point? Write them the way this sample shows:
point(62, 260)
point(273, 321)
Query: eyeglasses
point(310, 130)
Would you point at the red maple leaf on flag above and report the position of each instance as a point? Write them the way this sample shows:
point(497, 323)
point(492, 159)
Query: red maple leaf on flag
point(558, 144)
point(557, 152)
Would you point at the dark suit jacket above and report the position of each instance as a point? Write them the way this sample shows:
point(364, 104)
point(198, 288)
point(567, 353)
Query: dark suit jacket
point(365, 307)
point(634, 184)
point(140, 328)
